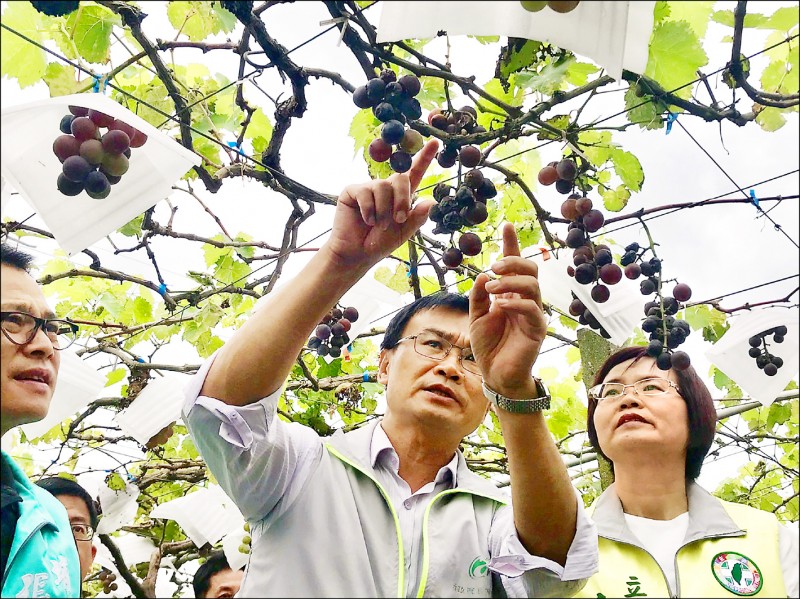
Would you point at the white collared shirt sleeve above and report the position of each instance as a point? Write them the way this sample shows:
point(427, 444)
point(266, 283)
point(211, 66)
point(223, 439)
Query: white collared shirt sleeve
point(260, 461)
point(533, 576)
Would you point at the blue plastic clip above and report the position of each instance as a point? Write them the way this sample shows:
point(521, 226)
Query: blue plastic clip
point(162, 289)
point(753, 198)
point(365, 376)
point(235, 146)
point(140, 360)
point(671, 118)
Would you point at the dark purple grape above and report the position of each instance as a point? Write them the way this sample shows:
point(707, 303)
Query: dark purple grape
point(66, 123)
point(567, 170)
point(314, 342)
point(400, 161)
point(83, 128)
point(379, 150)
point(647, 287)
point(411, 109)
point(583, 205)
point(446, 158)
point(452, 257)
point(778, 361)
point(564, 186)
point(388, 75)
point(323, 350)
point(611, 274)
point(323, 331)
point(65, 146)
point(78, 110)
point(361, 98)
point(101, 119)
point(351, 314)
point(392, 132)
point(411, 84)
point(116, 141)
point(384, 112)
point(603, 257)
point(593, 220)
point(486, 191)
point(470, 156)
point(671, 305)
point(664, 361)
point(754, 352)
point(113, 179)
point(755, 341)
point(470, 244)
point(439, 121)
point(680, 360)
point(337, 329)
point(76, 168)
point(576, 308)
point(335, 352)
point(476, 214)
point(67, 187)
point(576, 238)
point(586, 273)
point(778, 338)
point(97, 186)
point(682, 292)
point(375, 90)
point(654, 348)
point(781, 330)
point(568, 209)
point(346, 324)
point(600, 293)
point(770, 369)
point(650, 324)
point(633, 271)
point(473, 179)
point(336, 341)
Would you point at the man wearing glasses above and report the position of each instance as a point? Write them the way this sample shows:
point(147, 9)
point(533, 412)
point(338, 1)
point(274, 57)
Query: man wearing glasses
point(39, 558)
point(391, 509)
point(82, 513)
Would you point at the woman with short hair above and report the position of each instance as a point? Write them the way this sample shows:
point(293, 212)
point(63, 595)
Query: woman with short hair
point(661, 534)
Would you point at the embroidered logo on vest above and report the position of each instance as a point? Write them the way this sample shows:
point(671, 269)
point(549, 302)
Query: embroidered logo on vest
point(737, 573)
point(478, 568)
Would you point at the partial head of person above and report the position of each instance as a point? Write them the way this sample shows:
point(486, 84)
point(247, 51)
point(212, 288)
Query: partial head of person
point(429, 370)
point(30, 341)
point(215, 578)
point(82, 513)
point(637, 411)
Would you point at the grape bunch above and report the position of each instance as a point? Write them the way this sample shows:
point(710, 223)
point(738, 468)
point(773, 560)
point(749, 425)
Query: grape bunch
point(585, 317)
point(93, 161)
point(563, 173)
point(461, 207)
point(107, 577)
point(560, 6)
point(393, 103)
point(331, 333)
point(457, 122)
point(759, 349)
point(593, 264)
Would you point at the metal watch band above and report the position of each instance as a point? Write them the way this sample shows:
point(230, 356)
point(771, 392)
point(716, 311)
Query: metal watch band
point(519, 406)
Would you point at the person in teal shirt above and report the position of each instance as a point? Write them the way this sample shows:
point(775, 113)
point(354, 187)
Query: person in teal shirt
point(39, 555)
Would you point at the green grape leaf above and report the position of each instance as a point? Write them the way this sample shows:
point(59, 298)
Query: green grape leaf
point(578, 73)
point(260, 131)
point(115, 376)
point(596, 145)
point(133, 227)
point(629, 169)
point(231, 271)
point(90, 27)
point(697, 14)
point(771, 119)
point(142, 310)
point(615, 200)
point(646, 114)
point(19, 58)
point(675, 55)
point(199, 20)
point(61, 80)
point(751, 19)
point(661, 11)
point(396, 281)
point(519, 54)
point(115, 482)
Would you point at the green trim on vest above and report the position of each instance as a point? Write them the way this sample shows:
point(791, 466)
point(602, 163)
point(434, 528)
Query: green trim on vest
point(629, 571)
point(401, 584)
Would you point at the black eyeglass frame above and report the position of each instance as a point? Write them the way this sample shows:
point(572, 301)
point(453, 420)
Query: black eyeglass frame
point(40, 323)
point(446, 353)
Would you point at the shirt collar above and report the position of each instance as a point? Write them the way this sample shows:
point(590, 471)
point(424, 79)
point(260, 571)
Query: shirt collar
point(382, 452)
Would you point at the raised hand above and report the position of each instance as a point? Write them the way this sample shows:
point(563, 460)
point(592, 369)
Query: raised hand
point(507, 333)
point(373, 219)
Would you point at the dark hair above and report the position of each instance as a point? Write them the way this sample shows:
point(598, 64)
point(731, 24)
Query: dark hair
point(215, 563)
point(699, 407)
point(440, 299)
point(15, 258)
point(58, 485)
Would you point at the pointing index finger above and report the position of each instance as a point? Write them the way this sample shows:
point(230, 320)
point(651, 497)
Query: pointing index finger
point(510, 241)
point(421, 163)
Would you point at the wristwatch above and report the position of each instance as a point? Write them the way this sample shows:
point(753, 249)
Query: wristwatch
point(520, 406)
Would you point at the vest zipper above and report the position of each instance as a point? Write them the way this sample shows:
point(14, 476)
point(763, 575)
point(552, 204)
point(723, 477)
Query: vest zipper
point(705, 538)
point(401, 585)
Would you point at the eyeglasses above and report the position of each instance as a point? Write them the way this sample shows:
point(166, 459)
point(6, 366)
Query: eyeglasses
point(20, 328)
point(650, 387)
point(82, 532)
point(435, 347)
